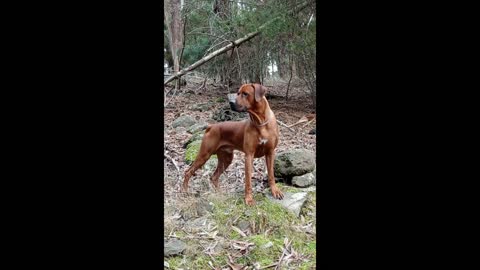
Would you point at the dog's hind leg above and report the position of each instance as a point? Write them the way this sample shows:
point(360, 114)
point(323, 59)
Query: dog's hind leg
point(225, 157)
point(207, 148)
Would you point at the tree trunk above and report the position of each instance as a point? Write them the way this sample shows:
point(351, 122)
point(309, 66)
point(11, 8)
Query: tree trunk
point(174, 21)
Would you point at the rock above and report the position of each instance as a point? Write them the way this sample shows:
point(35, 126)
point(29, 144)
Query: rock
point(183, 121)
point(199, 224)
point(225, 113)
point(310, 188)
point(312, 132)
point(180, 130)
point(211, 164)
point(291, 201)
point(197, 127)
point(198, 136)
point(294, 163)
point(173, 247)
point(200, 107)
point(305, 180)
point(192, 152)
point(243, 225)
point(267, 245)
point(204, 207)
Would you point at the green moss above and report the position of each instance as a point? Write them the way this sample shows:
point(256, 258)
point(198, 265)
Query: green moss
point(220, 100)
point(192, 152)
point(174, 262)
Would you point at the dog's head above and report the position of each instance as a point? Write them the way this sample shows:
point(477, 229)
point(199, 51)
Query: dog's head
point(246, 97)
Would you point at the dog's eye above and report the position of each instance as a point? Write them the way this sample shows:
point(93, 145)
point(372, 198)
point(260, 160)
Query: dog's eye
point(245, 94)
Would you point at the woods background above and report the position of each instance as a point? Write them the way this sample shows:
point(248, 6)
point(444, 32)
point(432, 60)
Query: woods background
point(242, 41)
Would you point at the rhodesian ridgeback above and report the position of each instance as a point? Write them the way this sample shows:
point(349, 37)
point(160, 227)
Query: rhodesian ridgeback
point(256, 137)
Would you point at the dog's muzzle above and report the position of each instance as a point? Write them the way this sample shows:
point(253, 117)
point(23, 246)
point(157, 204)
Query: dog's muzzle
point(232, 102)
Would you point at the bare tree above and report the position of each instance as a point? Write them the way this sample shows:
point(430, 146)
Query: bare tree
point(175, 25)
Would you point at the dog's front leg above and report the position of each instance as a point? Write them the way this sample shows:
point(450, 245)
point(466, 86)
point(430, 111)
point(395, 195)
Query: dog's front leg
point(270, 158)
point(248, 179)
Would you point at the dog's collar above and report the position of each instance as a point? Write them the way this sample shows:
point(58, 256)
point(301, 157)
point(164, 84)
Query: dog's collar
point(259, 125)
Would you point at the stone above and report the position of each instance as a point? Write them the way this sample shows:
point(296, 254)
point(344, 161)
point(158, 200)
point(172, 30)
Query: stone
point(312, 132)
point(225, 113)
point(183, 121)
point(211, 165)
point(197, 127)
point(204, 207)
point(294, 162)
point(243, 225)
point(291, 201)
point(200, 107)
point(173, 247)
point(305, 180)
point(198, 136)
point(267, 245)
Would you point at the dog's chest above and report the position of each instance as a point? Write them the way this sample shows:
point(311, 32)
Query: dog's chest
point(262, 141)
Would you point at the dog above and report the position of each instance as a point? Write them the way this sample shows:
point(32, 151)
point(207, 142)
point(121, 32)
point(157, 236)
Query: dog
point(257, 136)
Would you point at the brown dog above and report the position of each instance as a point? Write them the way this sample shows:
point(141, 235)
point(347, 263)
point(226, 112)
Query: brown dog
point(256, 137)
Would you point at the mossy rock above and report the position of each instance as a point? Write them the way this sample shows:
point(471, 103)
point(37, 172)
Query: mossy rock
point(183, 121)
point(197, 127)
point(198, 136)
point(294, 163)
point(192, 152)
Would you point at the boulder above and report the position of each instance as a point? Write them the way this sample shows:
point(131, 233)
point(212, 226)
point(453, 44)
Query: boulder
point(225, 113)
point(294, 162)
point(197, 127)
point(173, 247)
point(291, 201)
point(183, 121)
point(305, 180)
point(201, 107)
point(198, 136)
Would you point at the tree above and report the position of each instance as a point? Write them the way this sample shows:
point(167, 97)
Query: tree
point(175, 26)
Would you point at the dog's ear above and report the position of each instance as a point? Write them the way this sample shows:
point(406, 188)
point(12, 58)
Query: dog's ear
point(259, 92)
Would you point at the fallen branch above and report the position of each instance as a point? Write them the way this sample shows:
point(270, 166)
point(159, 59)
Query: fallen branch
point(283, 125)
point(239, 231)
point(172, 160)
point(308, 123)
point(268, 266)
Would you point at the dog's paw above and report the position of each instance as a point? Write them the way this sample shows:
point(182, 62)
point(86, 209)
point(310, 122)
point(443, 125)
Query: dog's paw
point(249, 200)
point(277, 193)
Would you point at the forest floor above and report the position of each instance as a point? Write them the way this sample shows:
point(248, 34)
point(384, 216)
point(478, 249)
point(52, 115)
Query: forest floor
point(218, 230)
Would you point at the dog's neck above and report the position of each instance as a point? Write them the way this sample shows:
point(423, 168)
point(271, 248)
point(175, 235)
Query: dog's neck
point(259, 115)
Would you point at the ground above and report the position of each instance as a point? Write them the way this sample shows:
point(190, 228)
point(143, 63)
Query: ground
point(209, 222)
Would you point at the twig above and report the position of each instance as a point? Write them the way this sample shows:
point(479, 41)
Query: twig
point(283, 125)
point(299, 122)
point(201, 86)
point(268, 266)
point(309, 122)
point(287, 244)
point(172, 160)
point(280, 261)
point(239, 231)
